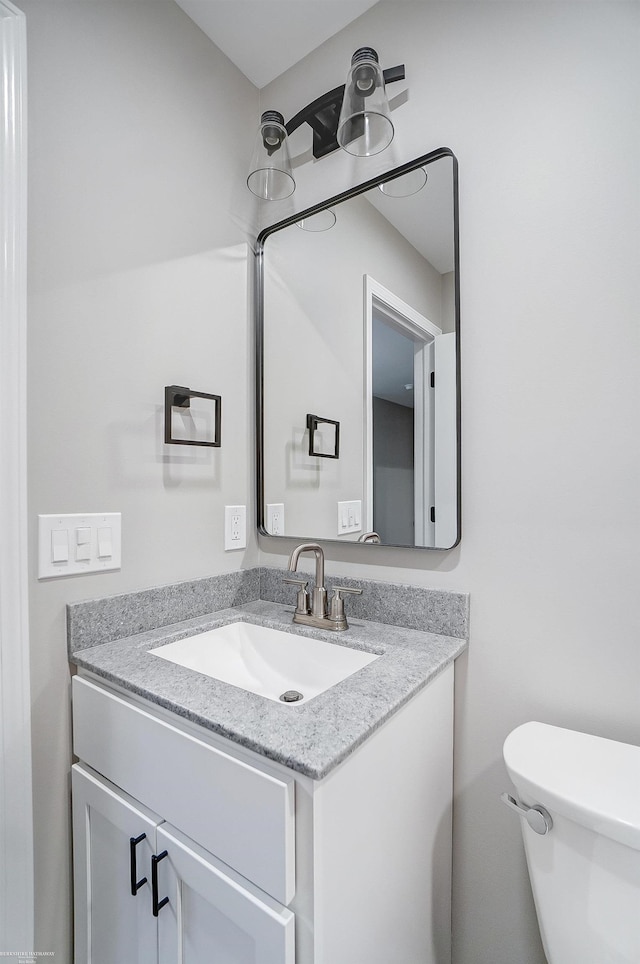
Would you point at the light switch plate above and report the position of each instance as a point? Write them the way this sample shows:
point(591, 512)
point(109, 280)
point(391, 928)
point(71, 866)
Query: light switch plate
point(349, 517)
point(68, 545)
point(275, 519)
point(235, 527)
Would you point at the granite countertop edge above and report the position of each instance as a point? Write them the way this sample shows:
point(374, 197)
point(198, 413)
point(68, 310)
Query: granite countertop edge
point(312, 738)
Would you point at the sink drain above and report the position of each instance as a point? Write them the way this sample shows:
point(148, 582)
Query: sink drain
point(291, 696)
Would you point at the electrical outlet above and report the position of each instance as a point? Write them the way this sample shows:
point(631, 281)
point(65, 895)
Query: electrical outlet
point(235, 527)
point(275, 519)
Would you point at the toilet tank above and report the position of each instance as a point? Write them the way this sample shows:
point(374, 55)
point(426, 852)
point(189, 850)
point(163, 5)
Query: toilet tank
point(585, 873)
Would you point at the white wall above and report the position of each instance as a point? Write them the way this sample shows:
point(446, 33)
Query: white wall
point(137, 280)
point(539, 103)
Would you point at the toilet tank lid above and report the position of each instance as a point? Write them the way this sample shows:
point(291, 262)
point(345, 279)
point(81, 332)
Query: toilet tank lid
point(588, 779)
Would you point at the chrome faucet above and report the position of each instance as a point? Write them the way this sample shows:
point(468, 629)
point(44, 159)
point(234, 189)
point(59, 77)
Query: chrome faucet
point(316, 612)
point(319, 603)
point(369, 537)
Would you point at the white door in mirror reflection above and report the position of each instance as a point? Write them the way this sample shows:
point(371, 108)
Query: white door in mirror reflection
point(445, 435)
point(410, 406)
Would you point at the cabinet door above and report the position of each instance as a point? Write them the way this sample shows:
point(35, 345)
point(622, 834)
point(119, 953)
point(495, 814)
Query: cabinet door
point(212, 914)
point(112, 926)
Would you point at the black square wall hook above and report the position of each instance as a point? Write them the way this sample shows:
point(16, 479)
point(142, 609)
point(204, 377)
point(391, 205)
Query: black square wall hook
point(175, 396)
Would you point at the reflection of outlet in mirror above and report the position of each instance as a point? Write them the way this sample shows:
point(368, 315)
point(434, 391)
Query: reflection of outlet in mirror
point(349, 517)
point(275, 519)
point(235, 527)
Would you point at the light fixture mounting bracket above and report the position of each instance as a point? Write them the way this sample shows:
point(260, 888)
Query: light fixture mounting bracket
point(323, 113)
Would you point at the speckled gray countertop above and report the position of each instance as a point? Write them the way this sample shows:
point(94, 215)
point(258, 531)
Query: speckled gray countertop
point(311, 738)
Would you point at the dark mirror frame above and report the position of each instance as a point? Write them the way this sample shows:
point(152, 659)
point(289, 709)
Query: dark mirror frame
point(422, 161)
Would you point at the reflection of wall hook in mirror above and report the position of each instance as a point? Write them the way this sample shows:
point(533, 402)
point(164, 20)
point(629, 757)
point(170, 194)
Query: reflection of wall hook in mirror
point(325, 448)
point(176, 396)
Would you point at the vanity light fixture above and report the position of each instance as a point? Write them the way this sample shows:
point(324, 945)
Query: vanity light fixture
point(365, 125)
point(355, 117)
point(271, 177)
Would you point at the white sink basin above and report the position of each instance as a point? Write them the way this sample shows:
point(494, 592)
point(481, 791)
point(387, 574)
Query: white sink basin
point(266, 661)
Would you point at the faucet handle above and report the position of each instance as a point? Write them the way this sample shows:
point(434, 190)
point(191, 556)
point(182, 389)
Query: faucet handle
point(336, 606)
point(356, 592)
point(302, 604)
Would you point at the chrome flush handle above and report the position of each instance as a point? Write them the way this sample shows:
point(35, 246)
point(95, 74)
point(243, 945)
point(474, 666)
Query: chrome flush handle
point(537, 817)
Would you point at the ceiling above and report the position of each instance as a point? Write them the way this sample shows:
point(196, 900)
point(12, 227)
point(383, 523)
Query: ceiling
point(264, 38)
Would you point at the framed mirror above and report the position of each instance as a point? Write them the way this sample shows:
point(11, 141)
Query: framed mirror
point(358, 331)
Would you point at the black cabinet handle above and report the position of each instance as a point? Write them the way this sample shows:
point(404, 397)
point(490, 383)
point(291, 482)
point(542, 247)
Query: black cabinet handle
point(155, 860)
point(135, 883)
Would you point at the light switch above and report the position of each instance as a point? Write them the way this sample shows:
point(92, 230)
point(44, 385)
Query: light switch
point(60, 545)
point(349, 517)
point(105, 548)
point(77, 544)
point(83, 543)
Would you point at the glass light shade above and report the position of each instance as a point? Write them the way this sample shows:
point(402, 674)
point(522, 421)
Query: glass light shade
point(322, 221)
point(406, 185)
point(270, 176)
point(365, 125)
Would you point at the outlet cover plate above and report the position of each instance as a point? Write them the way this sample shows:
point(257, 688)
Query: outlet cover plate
point(275, 519)
point(235, 527)
point(349, 517)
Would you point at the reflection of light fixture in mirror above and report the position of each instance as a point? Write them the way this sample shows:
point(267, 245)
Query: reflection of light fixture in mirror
point(405, 185)
point(321, 221)
point(365, 126)
point(360, 110)
point(270, 177)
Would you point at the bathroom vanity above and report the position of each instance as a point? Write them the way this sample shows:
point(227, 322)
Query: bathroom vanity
point(214, 824)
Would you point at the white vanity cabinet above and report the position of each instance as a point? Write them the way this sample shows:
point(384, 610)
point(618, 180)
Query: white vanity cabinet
point(203, 912)
point(244, 847)
point(195, 804)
